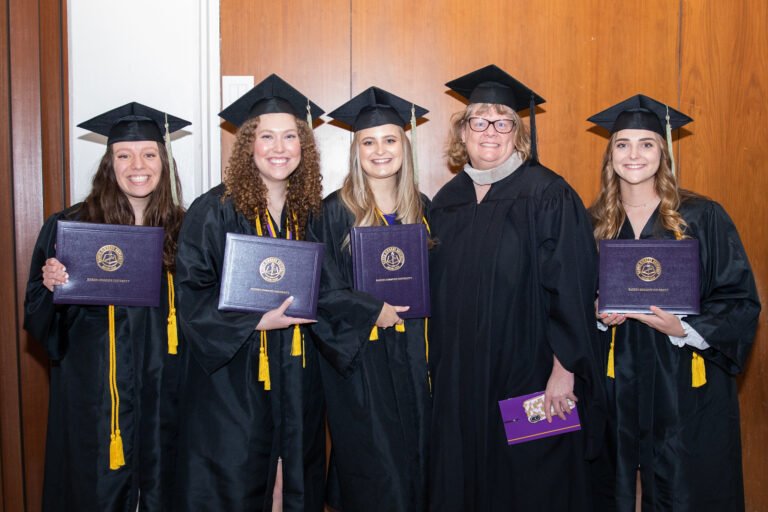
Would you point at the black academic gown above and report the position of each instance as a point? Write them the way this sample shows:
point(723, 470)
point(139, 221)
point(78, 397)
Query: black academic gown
point(76, 338)
point(232, 430)
point(513, 280)
point(685, 440)
point(377, 391)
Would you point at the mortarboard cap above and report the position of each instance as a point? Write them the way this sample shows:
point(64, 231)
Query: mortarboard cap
point(376, 107)
point(492, 84)
point(273, 95)
point(640, 113)
point(133, 121)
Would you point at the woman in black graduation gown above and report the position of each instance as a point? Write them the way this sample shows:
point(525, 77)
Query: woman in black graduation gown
point(252, 408)
point(674, 411)
point(374, 366)
point(85, 468)
point(513, 283)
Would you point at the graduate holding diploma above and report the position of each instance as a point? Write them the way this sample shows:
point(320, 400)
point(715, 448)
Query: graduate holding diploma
point(374, 363)
point(252, 432)
point(111, 419)
point(672, 394)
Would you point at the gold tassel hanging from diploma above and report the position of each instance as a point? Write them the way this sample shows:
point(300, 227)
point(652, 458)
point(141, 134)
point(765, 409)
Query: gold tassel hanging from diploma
point(116, 454)
point(698, 371)
point(173, 333)
point(610, 372)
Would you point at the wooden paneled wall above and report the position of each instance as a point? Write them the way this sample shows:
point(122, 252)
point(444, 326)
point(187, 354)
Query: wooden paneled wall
point(705, 58)
point(724, 79)
point(32, 185)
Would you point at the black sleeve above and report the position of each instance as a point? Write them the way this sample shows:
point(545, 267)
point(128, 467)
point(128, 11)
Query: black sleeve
point(345, 316)
point(214, 336)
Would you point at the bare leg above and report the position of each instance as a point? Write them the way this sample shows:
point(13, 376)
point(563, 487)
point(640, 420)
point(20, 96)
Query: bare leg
point(638, 494)
point(277, 492)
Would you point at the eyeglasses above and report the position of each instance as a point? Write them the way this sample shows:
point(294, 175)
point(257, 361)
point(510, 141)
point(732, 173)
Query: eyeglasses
point(479, 124)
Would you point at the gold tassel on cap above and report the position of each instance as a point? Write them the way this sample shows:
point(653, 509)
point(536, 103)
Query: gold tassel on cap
point(669, 142)
point(116, 455)
point(173, 333)
point(413, 145)
point(264, 361)
point(611, 373)
point(171, 163)
point(698, 371)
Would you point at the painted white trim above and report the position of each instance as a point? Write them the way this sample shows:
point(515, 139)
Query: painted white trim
point(210, 94)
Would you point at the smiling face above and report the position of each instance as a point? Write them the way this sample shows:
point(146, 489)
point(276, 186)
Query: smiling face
point(276, 147)
point(635, 156)
point(380, 150)
point(489, 148)
point(138, 169)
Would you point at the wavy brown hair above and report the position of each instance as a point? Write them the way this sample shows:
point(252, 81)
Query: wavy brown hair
point(607, 212)
point(456, 150)
point(107, 204)
point(247, 190)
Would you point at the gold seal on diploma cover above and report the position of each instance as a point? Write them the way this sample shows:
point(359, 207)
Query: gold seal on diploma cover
point(392, 258)
point(648, 269)
point(272, 269)
point(109, 258)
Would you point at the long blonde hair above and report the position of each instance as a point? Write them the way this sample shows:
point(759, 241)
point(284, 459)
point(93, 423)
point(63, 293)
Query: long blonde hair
point(456, 150)
point(358, 197)
point(607, 212)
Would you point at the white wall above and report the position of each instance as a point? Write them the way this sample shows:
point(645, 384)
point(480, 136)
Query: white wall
point(159, 53)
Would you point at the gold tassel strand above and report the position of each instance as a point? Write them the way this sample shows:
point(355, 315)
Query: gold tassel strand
point(116, 454)
point(264, 361)
point(296, 341)
point(173, 332)
point(698, 371)
point(611, 373)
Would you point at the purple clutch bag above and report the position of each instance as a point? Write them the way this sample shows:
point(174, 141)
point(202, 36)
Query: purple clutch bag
point(109, 264)
point(260, 273)
point(638, 274)
point(390, 263)
point(524, 419)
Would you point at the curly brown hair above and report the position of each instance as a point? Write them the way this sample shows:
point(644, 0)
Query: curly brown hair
point(607, 212)
point(456, 150)
point(107, 204)
point(247, 190)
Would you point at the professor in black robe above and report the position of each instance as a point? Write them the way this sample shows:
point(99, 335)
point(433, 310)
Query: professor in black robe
point(513, 283)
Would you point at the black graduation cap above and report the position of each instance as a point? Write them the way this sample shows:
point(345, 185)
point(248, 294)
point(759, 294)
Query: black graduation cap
point(376, 107)
point(273, 95)
point(133, 121)
point(640, 112)
point(492, 84)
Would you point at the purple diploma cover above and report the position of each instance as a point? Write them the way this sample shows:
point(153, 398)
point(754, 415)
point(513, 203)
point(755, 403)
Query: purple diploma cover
point(638, 274)
point(524, 419)
point(260, 273)
point(390, 263)
point(109, 264)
